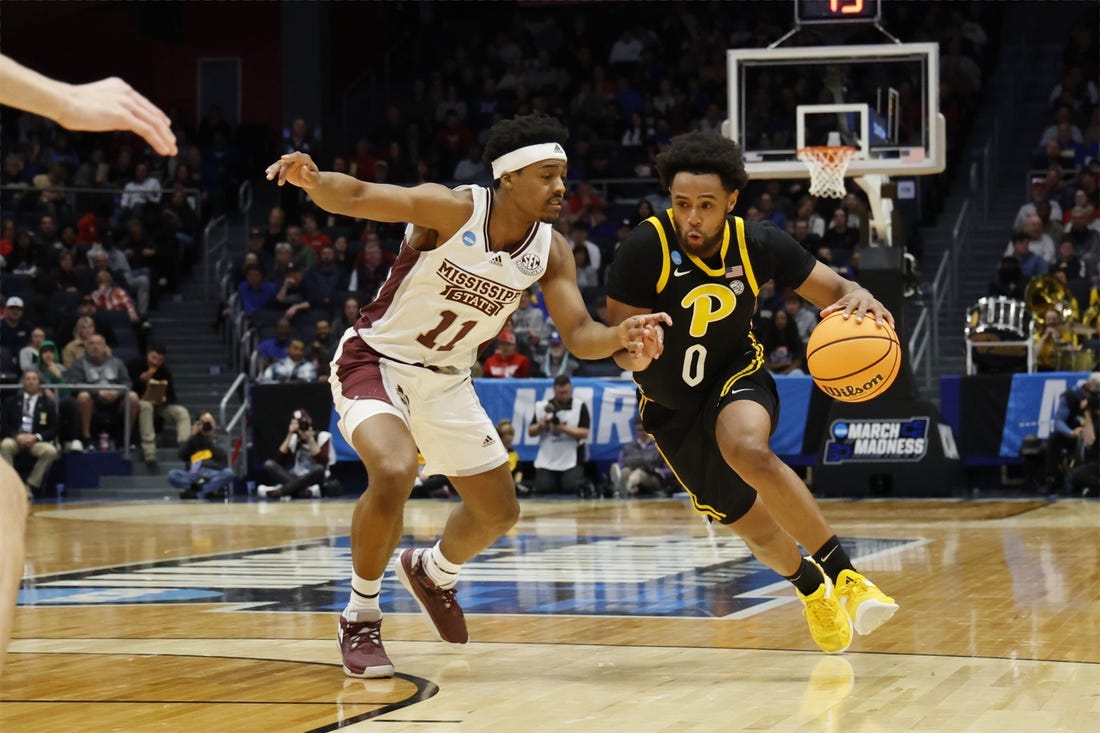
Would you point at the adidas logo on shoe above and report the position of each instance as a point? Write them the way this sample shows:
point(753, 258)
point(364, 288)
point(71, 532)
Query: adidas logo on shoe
point(489, 440)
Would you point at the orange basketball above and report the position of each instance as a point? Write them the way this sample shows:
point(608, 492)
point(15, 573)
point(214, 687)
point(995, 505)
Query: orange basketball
point(852, 361)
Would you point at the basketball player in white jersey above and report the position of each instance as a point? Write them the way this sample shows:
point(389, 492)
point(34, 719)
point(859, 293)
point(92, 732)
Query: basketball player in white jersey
point(401, 376)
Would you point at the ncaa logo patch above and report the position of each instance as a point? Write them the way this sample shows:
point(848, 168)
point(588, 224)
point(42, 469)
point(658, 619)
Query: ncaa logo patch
point(469, 239)
point(737, 287)
point(676, 258)
point(530, 264)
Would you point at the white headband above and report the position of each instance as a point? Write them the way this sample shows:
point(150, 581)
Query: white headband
point(525, 156)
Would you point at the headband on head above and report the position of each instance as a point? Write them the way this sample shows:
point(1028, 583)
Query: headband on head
point(525, 156)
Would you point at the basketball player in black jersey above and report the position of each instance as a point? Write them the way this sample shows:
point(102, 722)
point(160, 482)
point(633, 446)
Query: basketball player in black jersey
point(709, 402)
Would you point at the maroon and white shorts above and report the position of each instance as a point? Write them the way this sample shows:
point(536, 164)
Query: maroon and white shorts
point(440, 408)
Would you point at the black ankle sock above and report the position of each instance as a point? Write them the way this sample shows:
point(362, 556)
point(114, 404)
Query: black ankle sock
point(832, 558)
point(807, 579)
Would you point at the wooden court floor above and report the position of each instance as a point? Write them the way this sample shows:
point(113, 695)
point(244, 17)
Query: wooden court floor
point(590, 616)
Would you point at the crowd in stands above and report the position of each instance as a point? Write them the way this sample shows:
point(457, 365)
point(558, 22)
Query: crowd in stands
point(95, 231)
point(1056, 231)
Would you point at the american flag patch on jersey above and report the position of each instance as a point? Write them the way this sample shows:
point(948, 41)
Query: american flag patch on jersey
point(735, 271)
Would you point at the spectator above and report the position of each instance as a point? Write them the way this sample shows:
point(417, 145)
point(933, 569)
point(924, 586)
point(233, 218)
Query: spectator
point(110, 297)
point(349, 314)
point(141, 190)
point(527, 322)
point(97, 367)
point(556, 361)
point(1067, 429)
point(640, 468)
point(1056, 344)
point(255, 293)
point(312, 234)
point(28, 355)
point(783, 347)
point(153, 380)
point(1030, 263)
point(1010, 282)
point(1084, 480)
point(1039, 241)
point(274, 348)
point(294, 367)
point(587, 274)
point(15, 331)
point(506, 361)
point(507, 433)
point(207, 475)
point(561, 424)
point(255, 245)
point(804, 318)
point(370, 270)
point(29, 423)
point(83, 330)
point(50, 370)
point(276, 229)
point(578, 234)
point(325, 282)
point(839, 237)
point(301, 254)
point(301, 465)
point(323, 348)
point(1040, 193)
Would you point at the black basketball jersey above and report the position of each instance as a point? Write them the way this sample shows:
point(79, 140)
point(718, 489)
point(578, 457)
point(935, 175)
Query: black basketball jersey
point(711, 302)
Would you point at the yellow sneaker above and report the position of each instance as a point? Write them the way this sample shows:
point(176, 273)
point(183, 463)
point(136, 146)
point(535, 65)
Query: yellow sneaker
point(830, 627)
point(864, 602)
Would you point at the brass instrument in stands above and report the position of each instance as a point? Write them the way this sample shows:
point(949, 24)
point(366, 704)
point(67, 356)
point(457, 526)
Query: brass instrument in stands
point(1045, 292)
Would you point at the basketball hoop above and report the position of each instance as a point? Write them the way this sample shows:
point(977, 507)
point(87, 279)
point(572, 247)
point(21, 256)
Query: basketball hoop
point(827, 164)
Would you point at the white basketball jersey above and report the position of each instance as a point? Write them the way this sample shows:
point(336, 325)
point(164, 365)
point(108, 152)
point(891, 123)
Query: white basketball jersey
point(440, 308)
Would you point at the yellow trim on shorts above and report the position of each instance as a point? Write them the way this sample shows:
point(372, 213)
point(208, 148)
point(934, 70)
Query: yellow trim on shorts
point(749, 274)
point(666, 266)
point(721, 269)
point(703, 509)
point(756, 363)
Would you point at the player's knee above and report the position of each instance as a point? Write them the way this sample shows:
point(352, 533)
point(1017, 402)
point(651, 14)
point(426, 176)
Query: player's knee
point(391, 473)
point(747, 453)
point(503, 515)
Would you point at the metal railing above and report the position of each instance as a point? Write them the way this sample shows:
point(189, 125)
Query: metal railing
point(236, 426)
point(127, 427)
point(244, 204)
point(216, 239)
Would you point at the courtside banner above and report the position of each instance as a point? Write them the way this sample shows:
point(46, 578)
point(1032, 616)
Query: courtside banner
point(1032, 402)
point(612, 404)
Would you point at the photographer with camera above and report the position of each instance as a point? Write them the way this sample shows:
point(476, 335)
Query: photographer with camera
point(561, 425)
point(1084, 480)
point(302, 464)
point(1068, 431)
point(207, 475)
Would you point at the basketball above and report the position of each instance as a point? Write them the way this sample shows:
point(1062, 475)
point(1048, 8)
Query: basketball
point(853, 361)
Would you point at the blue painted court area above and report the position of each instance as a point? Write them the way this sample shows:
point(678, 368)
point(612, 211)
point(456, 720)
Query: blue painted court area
point(524, 574)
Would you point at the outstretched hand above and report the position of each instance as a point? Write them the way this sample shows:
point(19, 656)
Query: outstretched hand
point(643, 336)
point(297, 169)
point(112, 104)
point(860, 302)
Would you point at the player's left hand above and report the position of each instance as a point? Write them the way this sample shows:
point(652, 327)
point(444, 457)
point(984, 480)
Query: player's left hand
point(644, 336)
point(859, 302)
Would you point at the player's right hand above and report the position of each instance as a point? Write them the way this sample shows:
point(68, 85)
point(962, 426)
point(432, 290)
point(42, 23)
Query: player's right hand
point(295, 168)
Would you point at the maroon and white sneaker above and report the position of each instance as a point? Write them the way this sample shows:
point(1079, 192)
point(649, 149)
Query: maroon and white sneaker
point(438, 607)
point(361, 648)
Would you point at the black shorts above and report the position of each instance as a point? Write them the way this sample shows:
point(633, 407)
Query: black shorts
point(687, 441)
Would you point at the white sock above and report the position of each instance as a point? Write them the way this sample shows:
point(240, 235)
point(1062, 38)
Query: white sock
point(442, 571)
point(363, 600)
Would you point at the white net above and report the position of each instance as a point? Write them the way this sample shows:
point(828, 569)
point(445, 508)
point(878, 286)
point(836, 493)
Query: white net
point(827, 164)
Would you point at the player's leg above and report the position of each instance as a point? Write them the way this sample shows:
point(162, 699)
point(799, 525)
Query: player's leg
point(459, 441)
point(13, 516)
point(388, 452)
point(830, 627)
point(742, 431)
